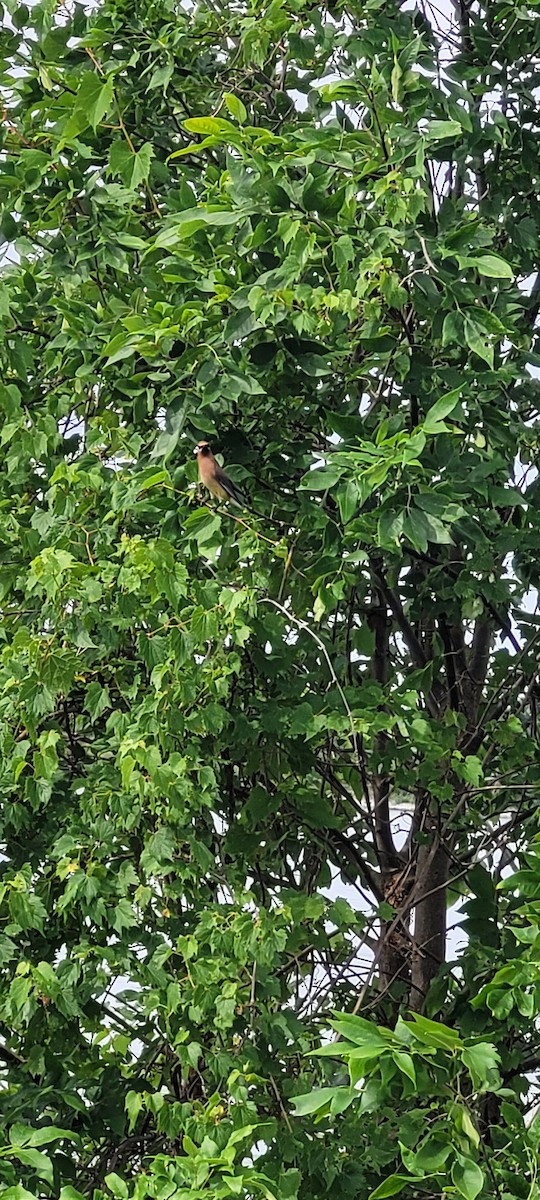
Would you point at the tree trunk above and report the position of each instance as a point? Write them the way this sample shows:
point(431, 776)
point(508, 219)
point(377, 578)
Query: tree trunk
point(394, 960)
point(395, 938)
point(429, 945)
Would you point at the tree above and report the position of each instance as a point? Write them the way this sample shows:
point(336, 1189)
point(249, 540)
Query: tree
point(309, 234)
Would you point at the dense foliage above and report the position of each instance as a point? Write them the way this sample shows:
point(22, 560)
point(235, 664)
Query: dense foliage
point(307, 232)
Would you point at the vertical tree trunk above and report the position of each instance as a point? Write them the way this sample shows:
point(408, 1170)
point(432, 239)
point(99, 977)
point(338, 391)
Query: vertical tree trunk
point(394, 960)
point(429, 943)
point(395, 938)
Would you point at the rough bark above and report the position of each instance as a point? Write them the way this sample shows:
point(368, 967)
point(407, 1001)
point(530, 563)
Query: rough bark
point(429, 943)
point(395, 939)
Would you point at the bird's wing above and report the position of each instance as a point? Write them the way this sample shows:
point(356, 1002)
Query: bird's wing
point(229, 487)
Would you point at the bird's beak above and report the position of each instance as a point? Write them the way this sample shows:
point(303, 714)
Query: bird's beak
point(196, 450)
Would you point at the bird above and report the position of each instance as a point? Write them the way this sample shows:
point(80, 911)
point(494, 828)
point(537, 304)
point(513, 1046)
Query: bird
point(215, 478)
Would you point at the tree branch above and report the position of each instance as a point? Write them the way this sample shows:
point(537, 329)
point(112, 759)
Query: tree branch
point(434, 696)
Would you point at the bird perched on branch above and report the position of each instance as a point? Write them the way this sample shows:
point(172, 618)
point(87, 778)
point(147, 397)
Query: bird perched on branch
point(215, 478)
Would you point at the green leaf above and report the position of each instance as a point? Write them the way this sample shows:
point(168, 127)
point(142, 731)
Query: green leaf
point(192, 220)
point(236, 108)
point(467, 1177)
point(240, 1135)
point(395, 80)
point(362, 1033)
point(343, 1097)
point(120, 158)
point(159, 851)
point(433, 1033)
point(314, 1101)
point(405, 1064)
point(132, 167)
point(482, 1060)
point(441, 409)
point(469, 1129)
point(344, 252)
point(50, 1133)
point(155, 479)
point(313, 365)
point(101, 103)
point(432, 1155)
point(347, 499)
point(394, 294)
point(117, 1185)
point(167, 441)
point(97, 701)
point(438, 130)
point(93, 100)
point(494, 267)
point(478, 341)
point(18, 1192)
point(452, 330)
point(140, 168)
point(27, 910)
point(416, 529)
point(321, 478)
point(210, 125)
point(134, 1104)
point(437, 532)
point(39, 1162)
point(471, 770)
point(161, 77)
point(203, 525)
point(390, 1187)
point(119, 348)
point(129, 240)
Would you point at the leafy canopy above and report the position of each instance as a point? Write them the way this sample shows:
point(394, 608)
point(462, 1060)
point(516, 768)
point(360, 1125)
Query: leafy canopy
point(307, 232)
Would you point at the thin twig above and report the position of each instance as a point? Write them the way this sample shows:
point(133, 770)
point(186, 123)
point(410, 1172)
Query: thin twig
point(307, 629)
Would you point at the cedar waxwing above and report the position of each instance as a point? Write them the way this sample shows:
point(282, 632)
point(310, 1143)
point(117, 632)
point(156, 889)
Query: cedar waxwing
point(214, 478)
